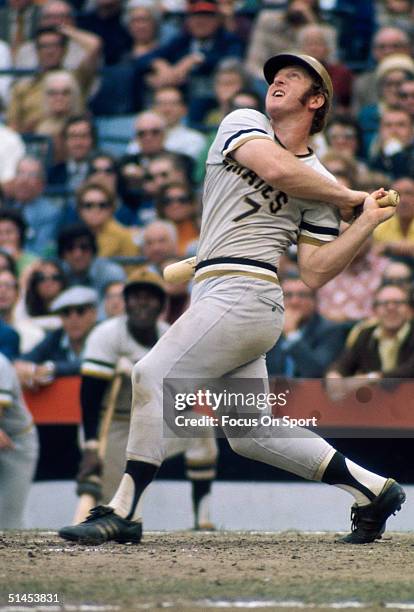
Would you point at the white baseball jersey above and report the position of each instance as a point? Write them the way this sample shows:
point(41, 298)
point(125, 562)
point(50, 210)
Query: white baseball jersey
point(242, 215)
point(106, 344)
point(14, 414)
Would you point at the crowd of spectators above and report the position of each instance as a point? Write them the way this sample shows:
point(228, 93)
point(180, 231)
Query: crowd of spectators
point(107, 112)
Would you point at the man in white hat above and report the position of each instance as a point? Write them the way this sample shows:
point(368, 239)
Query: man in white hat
point(60, 352)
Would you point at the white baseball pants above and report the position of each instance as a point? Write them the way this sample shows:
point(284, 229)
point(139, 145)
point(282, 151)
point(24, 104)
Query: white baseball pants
point(231, 323)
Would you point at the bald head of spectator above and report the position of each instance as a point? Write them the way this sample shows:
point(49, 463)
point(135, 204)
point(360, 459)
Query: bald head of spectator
point(160, 242)
point(389, 40)
point(150, 132)
point(30, 180)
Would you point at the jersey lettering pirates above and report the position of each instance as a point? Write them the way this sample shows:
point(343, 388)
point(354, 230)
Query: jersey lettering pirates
point(243, 217)
point(106, 344)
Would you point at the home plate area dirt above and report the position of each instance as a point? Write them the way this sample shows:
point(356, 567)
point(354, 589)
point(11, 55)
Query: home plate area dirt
point(207, 571)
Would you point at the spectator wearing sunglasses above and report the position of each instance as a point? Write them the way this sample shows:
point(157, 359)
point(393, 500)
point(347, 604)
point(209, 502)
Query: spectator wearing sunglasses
point(103, 168)
point(61, 351)
point(77, 250)
point(46, 281)
point(140, 190)
point(176, 204)
point(96, 207)
point(150, 140)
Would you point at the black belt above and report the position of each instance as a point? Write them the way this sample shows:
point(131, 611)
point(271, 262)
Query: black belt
point(236, 260)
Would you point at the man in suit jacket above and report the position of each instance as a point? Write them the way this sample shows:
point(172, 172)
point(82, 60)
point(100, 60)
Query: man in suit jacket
point(384, 348)
point(309, 342)
point(79, 142)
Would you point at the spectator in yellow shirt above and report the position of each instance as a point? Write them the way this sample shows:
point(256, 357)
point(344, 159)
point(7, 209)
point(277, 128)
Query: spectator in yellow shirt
point(96, 207)
point(395, 237)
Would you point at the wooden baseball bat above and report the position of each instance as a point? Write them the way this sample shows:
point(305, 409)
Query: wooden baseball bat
point(391, 198)
point(88, 501)
point(181, 271)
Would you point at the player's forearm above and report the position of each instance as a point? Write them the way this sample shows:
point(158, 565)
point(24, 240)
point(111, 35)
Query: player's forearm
point(299, 180)
point(282, 170)
point(327, 261)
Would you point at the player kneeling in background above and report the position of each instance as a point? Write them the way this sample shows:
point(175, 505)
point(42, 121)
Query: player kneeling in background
point(112, 348)
point(264, 190)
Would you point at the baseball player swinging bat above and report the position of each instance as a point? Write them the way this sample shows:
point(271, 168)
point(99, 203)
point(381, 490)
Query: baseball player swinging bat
point(87, 500)
point(183, 271)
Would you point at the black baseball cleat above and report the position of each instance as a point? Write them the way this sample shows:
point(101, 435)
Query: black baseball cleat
point(368, 522)
point(103, 525)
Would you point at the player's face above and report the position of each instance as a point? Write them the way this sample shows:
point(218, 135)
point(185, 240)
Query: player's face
point(287, 90)
point(143, 308)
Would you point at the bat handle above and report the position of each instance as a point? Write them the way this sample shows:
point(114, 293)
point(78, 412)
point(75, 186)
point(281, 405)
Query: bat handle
point(358, 210)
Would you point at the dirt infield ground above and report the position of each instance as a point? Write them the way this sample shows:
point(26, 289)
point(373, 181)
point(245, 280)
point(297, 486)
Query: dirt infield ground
point(192, 571)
